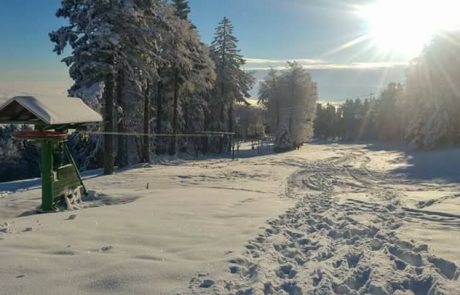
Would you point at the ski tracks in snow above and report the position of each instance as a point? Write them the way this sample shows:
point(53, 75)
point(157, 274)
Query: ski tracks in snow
point(328, 244)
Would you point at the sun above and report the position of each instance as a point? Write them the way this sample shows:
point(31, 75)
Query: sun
point(405, 26)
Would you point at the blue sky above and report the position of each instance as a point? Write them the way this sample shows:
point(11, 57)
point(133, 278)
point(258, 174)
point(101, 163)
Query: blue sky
point(285, 29)
point(270, 31)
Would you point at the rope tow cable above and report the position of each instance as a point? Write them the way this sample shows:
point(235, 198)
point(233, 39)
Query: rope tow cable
point(202, 134)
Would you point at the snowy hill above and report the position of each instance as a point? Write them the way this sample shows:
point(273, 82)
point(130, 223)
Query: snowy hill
point(327, 219)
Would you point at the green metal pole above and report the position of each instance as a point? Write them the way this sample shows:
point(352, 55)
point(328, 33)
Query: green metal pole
point(47, 176)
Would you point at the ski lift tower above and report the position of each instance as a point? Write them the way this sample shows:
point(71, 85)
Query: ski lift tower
point(52, 118)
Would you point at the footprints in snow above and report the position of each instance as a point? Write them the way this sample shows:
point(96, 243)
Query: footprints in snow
point(319, 247)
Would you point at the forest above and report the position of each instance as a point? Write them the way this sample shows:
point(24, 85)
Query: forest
point(422, 111)
point(152, 74)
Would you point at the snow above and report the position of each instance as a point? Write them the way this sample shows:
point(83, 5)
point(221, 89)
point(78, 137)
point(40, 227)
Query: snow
point(51, 111)
point(91, 95)
point(326, 219)
point(3, 99)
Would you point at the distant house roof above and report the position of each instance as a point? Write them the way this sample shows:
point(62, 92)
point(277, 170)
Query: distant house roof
point(31, 110)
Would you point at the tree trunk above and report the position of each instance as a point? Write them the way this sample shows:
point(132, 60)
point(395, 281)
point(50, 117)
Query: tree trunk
point(146, 141)
point(230, 118)
point(186, 117)
point(222, 94)
point(230, 125)
point(205, 140)
point(173, 145)
point(277, 115)
point(122, 146)
point(159, 119)
point(187, 125)
point(108, 125)
point(222, 120)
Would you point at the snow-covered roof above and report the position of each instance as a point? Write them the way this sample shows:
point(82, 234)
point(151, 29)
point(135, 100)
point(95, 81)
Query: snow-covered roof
point(32, 110)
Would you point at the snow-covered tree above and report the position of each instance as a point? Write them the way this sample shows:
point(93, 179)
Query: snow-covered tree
point(184, 41)
point(291, 101)
point(388, 113)
point(107, 37)
point(432, 95)
point(233, 83)
point(199, 92)
point(19, 158)
point(187, 75)
point(327, 122)
point(269, 98)
point(182, 8)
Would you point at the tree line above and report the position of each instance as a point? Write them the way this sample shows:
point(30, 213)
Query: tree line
point(19, 159)
point(375, 119)
point(143, 65)
point(423, 111)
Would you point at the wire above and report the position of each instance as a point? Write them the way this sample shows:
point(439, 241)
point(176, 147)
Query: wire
point(201, 134)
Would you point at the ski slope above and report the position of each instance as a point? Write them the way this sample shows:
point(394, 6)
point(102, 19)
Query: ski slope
point(327, 219)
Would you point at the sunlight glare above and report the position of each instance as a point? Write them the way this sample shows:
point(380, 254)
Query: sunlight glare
point(405, 26)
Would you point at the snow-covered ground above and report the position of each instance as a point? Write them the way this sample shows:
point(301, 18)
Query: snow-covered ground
point(327, 219)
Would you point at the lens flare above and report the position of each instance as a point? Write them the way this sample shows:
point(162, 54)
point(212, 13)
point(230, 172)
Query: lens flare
point(406, 26)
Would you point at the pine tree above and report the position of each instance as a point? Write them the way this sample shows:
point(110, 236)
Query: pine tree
point(349, 120)
point(388, 113)
point(94, 43)
point(182, 8)
point(188, 74)
point(233, 83)
point(199, 92)
point(20, 159)
point(106, 37)
point(432, 94)
point(325, 126)
point(182, 89)
point(182, 66)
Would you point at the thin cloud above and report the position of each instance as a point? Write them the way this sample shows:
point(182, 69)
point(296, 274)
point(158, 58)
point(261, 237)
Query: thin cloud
point(278, 61)
point(256, 64)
